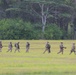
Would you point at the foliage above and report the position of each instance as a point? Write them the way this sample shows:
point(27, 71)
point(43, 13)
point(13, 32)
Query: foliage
point(53, 32)
point(15, 29)
point(43, 12)
point(18, 29)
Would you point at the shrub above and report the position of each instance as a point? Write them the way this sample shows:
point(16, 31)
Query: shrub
point(15, 29)
point(53, 32)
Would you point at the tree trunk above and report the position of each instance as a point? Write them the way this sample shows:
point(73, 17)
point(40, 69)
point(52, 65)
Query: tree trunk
point(44, 17)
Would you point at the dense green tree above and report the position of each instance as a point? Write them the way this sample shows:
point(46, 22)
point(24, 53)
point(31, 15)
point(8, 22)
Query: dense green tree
point(18, 29)
point(41, 12)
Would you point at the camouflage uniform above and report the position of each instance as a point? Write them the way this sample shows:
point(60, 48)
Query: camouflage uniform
point(17, 47)
point(73, 49)
point(1, 46)
point(47, 48)
point(27, 46)
point(10, 47)
point(61, 48)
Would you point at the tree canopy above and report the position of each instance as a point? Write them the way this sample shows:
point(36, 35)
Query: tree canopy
point(41, 14)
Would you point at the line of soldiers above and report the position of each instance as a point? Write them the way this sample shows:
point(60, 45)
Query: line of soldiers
point(47, 47)
point(16, 45)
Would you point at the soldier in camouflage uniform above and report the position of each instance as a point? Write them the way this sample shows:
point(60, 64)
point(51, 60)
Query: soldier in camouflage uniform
point(73, 49)
point(10, 47)
point(47, 48)
point(1, 46)
point(61, 48)
point(27, 46)
point(17, 47)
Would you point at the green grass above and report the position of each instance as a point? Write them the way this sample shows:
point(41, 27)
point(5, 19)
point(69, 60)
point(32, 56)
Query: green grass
point(35, 62)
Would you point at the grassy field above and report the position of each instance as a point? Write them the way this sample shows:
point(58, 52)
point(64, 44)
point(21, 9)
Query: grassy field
point(35, 62)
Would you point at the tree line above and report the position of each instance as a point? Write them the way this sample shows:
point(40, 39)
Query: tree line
point(37, 19)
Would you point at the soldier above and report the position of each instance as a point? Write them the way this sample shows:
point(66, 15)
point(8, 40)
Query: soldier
point(47, 48)
point(73, 49)
point(10, 47)
point(27, 46)
point(1, 46)
point(61, 48)
point(17, 47)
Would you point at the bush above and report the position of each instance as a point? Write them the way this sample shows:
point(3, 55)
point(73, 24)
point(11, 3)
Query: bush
point(18, 29)
point(53, 32)
point(15, 29)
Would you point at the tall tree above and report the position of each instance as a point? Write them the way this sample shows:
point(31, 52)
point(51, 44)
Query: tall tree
point(43, 12)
